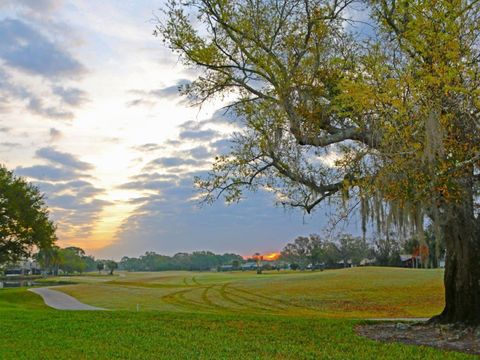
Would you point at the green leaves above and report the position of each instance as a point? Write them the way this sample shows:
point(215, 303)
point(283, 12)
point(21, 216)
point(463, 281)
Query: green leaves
point(24, 218)
point(388, 108)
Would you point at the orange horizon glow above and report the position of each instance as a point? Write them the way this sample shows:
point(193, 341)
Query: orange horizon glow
point(268, 257)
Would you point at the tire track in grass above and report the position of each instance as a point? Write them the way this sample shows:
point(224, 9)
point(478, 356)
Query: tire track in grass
point(207, 300)
point(191, 302)
point(263, 303)
point(205, 297)
point(285, 303)
point(236, 299)
point(171, 298)
point(228, 296)
point(178, 298)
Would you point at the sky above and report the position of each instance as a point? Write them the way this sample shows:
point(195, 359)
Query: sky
point(90, 113)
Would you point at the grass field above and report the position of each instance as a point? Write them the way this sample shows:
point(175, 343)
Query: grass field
point(187, 315)
point(346, 293)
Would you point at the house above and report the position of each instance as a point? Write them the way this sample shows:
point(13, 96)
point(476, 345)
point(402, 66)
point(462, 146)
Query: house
point(225, 268)
point(342, 264)
point(249, 266)
point(22, 268)
point(410, 261)
point(367, 262)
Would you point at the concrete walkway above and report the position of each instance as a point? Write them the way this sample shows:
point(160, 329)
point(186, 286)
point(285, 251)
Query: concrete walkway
point(61, 301)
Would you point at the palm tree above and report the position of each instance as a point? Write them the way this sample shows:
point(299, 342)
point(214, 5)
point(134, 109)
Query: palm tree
point(258, 259)
point(49, 259)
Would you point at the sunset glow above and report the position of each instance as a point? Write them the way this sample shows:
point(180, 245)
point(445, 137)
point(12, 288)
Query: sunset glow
point(267, 257)
point(93, 117)
point(272, 256)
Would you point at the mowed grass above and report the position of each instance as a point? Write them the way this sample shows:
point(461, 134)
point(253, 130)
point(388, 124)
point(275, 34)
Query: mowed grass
point(357, 293)
point(221, 316)
point(30, 330)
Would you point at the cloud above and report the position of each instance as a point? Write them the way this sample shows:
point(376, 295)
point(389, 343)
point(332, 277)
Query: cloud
point(71, 96)
point(199, 152)
point(149, 147)
point(47, 172)
point(190, 125)
point(145, 185)
point(170, 92)
point(140, 102)
point(222, 147)
point(10, 91)
point(169, 162)
point(36, 105)
point(63, 201)
point(74, 204)
point(10, 145)
point(85, 189)
point(24, 48)
point(148, 97)
point(72, 197)
point(64, 159)
point(81, 188)
point(202, 135)
point(173, 143)
point(171, 212)
point(155, 177)
point(151, 181)
point(76, 216)
point(193, 130)
point(221, 117)
point(65, 167)
point(55, 134)
point(37, 5)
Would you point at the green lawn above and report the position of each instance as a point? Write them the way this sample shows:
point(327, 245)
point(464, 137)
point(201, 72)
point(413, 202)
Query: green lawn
point(257, 320)
point(357, 293)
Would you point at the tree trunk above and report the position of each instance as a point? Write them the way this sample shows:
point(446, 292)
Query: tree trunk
point(462, 266)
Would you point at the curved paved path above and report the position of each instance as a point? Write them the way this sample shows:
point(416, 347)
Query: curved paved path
point(61, 301)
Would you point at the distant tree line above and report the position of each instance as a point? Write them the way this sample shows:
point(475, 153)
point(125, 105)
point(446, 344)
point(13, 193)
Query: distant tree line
point(347, 250)
point(196, 261)
point(315, 252)
point(427, 253)
point(71, 260)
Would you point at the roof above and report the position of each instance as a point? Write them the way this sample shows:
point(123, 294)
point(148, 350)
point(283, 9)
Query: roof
point(406, 257)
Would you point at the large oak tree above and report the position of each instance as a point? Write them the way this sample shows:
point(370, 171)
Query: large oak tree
point(387, 118)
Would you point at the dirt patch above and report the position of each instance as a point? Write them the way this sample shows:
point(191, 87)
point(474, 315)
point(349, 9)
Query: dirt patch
point(446, 337)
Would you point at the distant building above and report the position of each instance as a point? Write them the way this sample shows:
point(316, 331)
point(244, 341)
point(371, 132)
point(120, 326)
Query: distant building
point(341, 264)
point(225, 268)
point(367, 262)
point(410, 261)
point(249, 266)
point(22, 268)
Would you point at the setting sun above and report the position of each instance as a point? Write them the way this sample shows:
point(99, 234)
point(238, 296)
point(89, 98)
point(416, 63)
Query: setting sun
point(272, 256)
